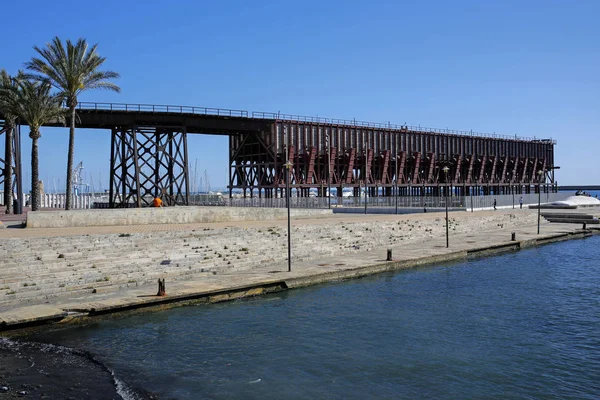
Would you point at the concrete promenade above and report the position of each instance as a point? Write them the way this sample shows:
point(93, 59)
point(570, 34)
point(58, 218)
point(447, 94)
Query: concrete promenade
point(73, 274)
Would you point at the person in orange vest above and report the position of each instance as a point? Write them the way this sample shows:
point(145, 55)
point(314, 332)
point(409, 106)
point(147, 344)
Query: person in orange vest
point(157, 202)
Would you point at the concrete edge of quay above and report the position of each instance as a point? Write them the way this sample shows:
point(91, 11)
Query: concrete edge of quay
point(21, 320)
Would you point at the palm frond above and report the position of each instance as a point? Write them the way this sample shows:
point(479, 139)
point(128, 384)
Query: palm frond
point(52, 64)
point(72, 68)
point(100, 80)
point(33, 102)
point(9, 87)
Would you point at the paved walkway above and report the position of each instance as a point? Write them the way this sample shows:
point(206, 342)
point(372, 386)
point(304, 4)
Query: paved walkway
point(274, 276)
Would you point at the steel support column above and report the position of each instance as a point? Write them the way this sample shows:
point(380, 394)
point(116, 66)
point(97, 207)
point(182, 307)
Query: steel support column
point(148, 162)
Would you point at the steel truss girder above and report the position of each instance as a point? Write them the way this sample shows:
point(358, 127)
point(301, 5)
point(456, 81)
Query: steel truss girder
point(148, 162)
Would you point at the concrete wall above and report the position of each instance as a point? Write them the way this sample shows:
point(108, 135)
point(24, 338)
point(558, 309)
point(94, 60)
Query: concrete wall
point(164, 215)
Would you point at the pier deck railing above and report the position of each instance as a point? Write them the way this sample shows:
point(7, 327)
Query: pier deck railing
point(49, 200)
point(421, 202)
point(509, 200)
point(225, 112)
point(162, 108)
point(468, 203)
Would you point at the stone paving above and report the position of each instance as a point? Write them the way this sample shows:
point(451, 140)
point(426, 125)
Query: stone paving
point(45, 272)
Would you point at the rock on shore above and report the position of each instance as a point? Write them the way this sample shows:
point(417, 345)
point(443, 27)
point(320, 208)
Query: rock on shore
point(44, 371)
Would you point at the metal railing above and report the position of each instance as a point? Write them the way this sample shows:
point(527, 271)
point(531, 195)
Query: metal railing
point(512, 201)
point(58, 201)
point(405, 202)
point(224, 112)
point(154, 108)
point(407, 128)
point(86, 201)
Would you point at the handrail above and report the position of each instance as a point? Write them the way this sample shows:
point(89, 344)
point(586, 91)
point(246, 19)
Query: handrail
point(224, 112)
point(407, 128)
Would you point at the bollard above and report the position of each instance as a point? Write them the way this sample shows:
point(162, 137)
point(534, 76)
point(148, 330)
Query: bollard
point(513, 236)
point(161, 287)
point(389, 255)
point(584, 225)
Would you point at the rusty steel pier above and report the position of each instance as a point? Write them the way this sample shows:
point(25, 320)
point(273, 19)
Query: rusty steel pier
point(149, 155)
point(384, 158)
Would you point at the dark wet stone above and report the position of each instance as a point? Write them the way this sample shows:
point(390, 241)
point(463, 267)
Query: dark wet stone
point(61, 374)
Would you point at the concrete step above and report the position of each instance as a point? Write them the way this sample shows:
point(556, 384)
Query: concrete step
point(573, 220)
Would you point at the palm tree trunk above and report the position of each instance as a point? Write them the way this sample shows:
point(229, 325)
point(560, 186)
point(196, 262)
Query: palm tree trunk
point(8, 171)
point(70, 156)
point(35, 182)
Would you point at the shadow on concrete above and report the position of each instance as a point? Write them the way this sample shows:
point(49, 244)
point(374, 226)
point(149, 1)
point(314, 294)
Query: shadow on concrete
point(14, 224)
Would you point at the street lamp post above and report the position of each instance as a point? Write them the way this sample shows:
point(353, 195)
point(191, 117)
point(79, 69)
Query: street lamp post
point(540, 173)
point(328, 170)
point(366, 173)
point(396, 183)
point(396, 194)
point(477, 197)
point(446, 169)
point(471, 192)
point(359, 193)
point(366, 197)
point(513, 194)
point(288, 165)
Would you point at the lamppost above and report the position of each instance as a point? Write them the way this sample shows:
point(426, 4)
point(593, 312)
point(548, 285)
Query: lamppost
point(288, 165)
point(471, 192)
point(446, 169)
point(366, 173)
point(328, 170)
point(512, 190)
point(424, 198)
point(396, 183)
point(422, 189)
point(540, 173)
point(478, 193)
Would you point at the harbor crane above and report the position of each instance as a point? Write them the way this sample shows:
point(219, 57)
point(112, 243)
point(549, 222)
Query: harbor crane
point(79, 186)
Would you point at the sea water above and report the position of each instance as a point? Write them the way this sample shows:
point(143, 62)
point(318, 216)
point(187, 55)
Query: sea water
point(523, 325)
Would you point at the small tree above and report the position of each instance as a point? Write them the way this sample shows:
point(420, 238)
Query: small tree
point(33, 102)
point(6, 97)
point(72, 71)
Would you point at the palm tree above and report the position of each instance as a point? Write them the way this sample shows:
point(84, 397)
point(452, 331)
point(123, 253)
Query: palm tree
point(7, 82)
point(33, 102)
point(72, 70)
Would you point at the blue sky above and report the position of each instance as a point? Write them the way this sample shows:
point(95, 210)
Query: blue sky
point(515, 67)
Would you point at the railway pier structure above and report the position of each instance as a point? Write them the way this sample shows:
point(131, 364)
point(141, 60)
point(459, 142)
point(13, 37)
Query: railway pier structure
point(149, 155)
